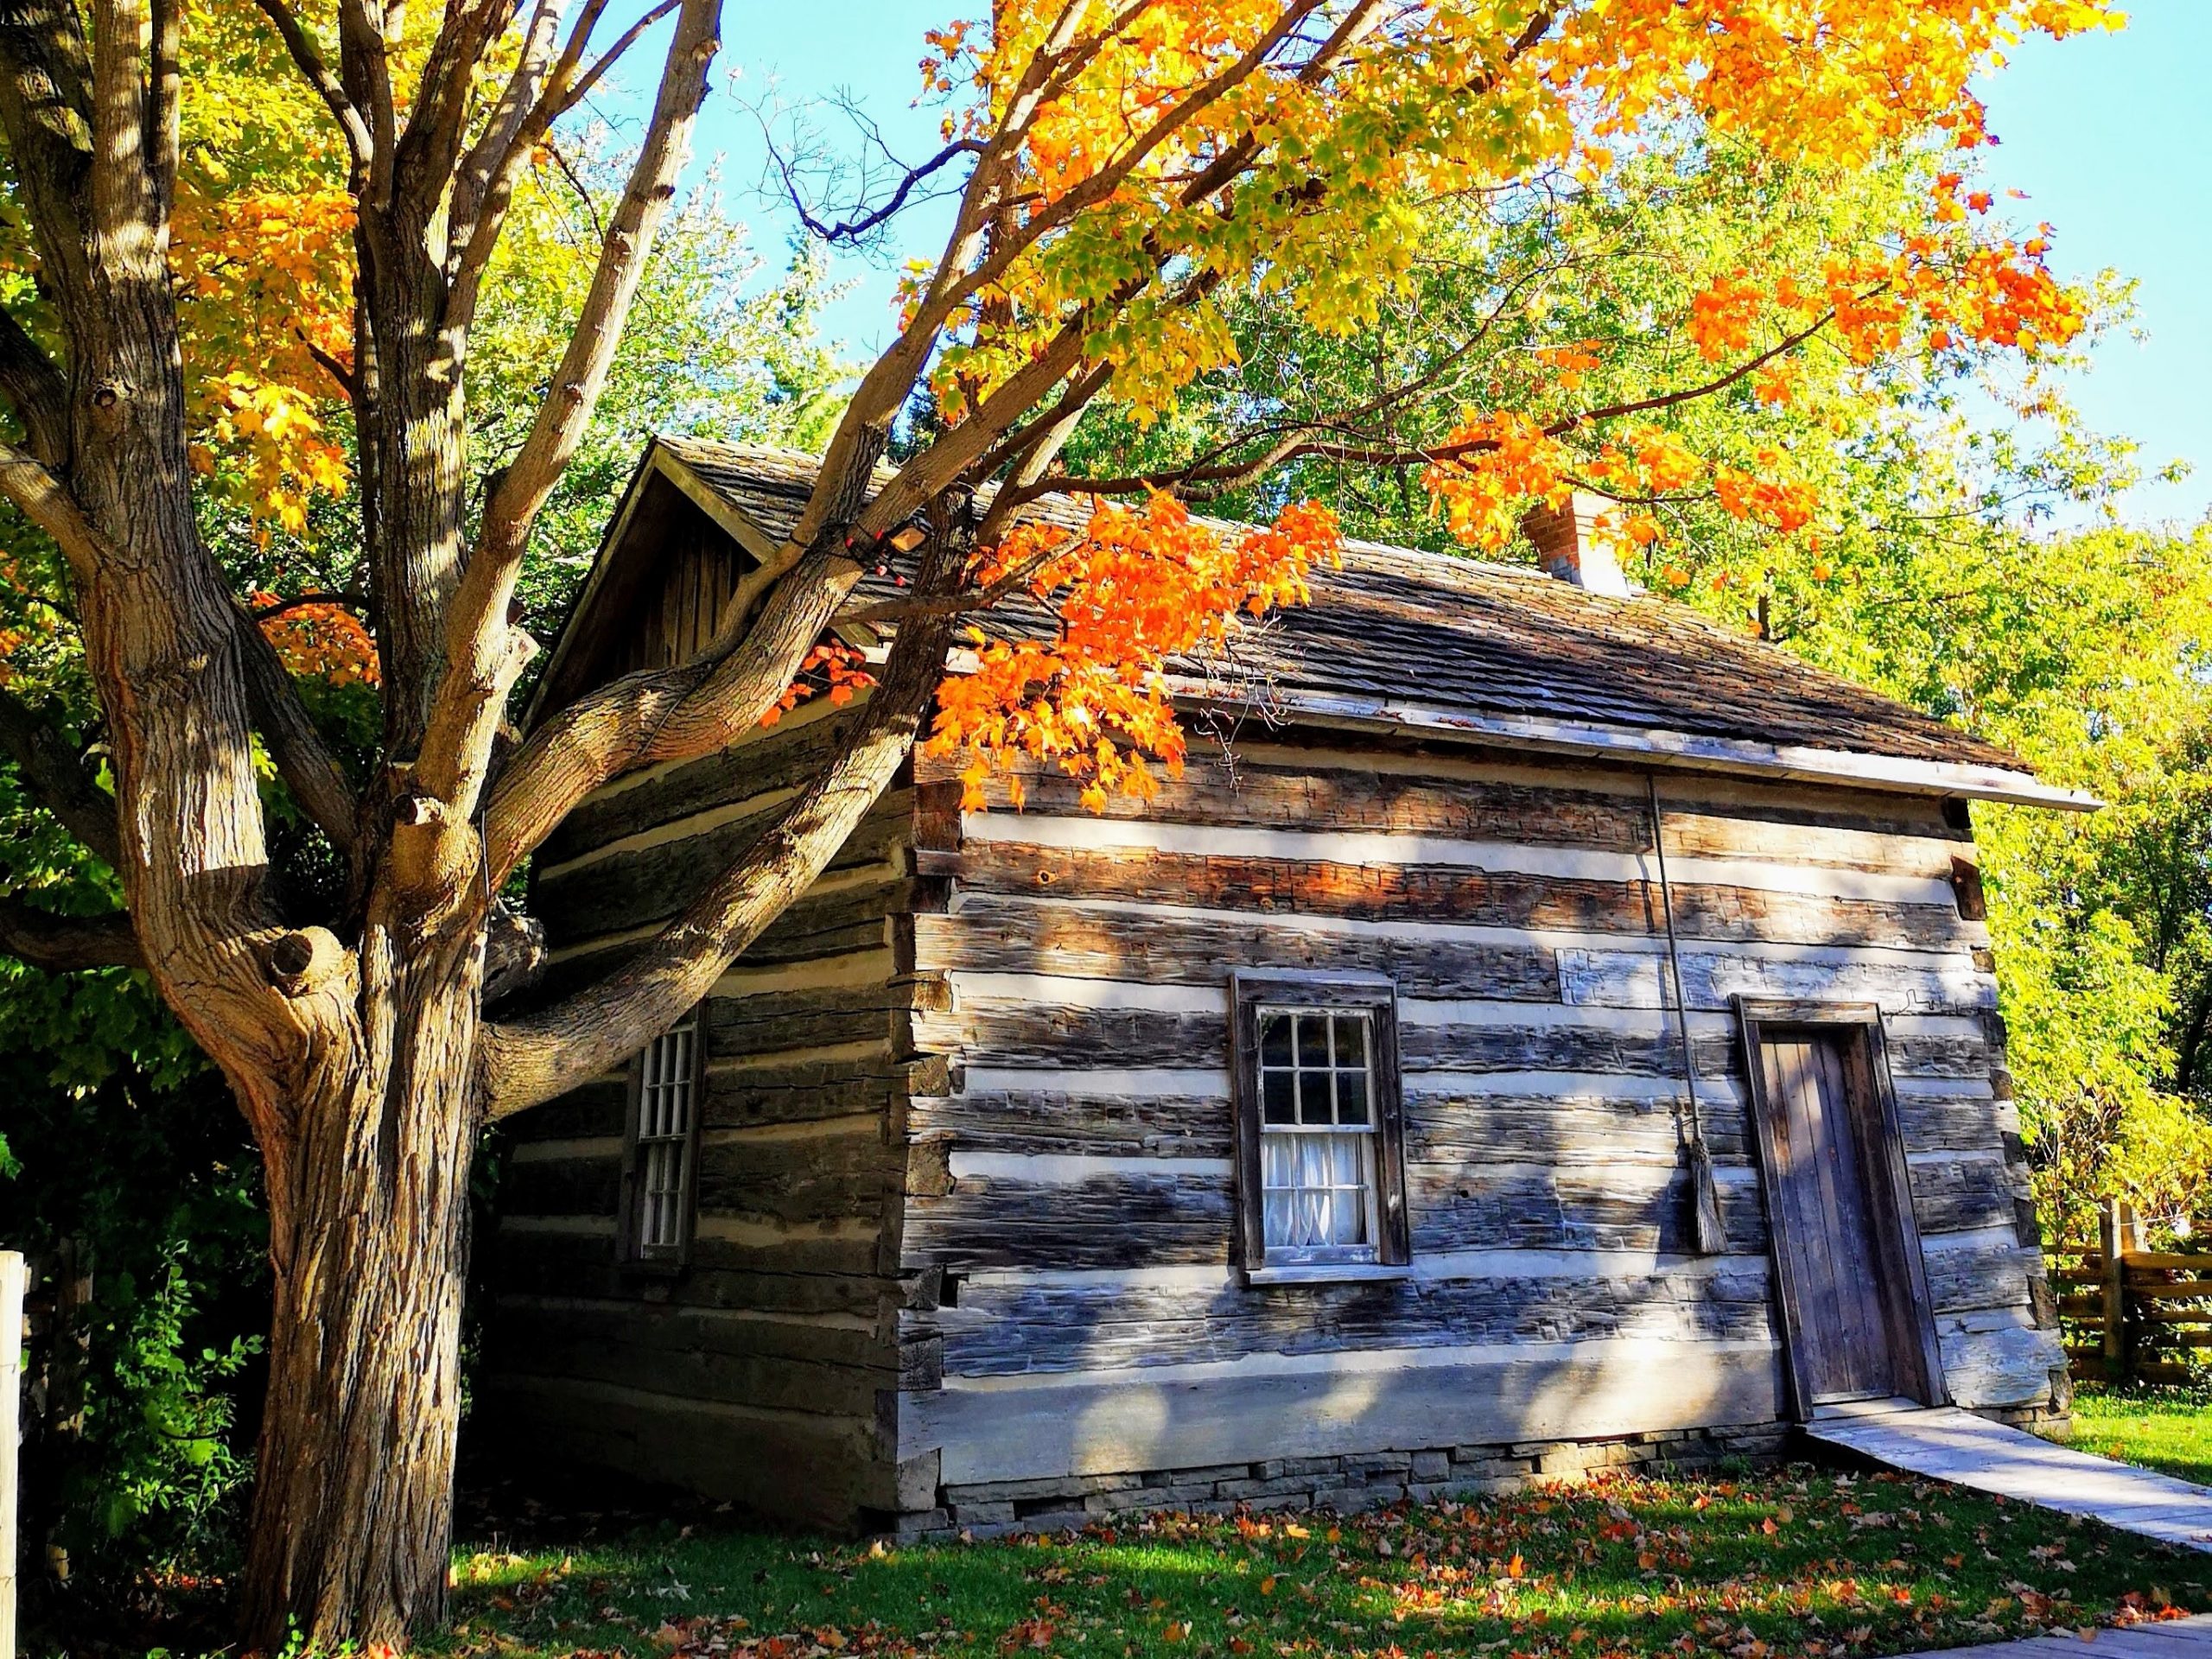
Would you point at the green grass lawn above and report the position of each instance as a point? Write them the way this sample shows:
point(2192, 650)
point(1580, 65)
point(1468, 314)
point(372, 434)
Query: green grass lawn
point(1787, 1564)
point(2166, 1429)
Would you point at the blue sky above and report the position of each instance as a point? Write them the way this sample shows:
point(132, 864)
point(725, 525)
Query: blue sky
point(2110, 135)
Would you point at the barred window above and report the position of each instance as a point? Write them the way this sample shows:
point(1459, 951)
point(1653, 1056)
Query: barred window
point(664, 1141)
point(1318, 1135)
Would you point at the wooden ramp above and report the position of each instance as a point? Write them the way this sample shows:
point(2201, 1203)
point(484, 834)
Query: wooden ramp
point(1947, 1444)
point(2173, 1638)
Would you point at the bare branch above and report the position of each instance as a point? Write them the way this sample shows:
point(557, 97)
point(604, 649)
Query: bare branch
point(569, 95)
point(485, 173)
point(49, 767)
point(67, 945)
point(317, 73)
point(853, 229)
point(1300, 442)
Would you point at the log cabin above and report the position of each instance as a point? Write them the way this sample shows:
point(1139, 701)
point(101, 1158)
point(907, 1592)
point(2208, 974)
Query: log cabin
point(1542, 1030)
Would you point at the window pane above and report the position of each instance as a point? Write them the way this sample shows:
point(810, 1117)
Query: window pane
point(1274, 1040)
point(1351, 1040)
point(1278, 1097)
point(1351, 1097)
point(1314, 1097)
point(1313, 1039)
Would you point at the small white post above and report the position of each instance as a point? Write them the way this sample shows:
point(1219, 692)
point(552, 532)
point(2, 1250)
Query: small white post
point(11, 1382)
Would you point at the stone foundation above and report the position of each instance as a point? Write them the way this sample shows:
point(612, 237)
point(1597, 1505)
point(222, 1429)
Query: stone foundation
point(1345, 1484)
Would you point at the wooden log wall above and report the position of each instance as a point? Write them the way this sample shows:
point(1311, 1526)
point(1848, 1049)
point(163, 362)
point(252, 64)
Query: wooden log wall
point(762, 1371)
point(1067, 1231)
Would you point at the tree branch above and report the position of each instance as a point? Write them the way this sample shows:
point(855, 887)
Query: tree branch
point(317, 74)
point(49, 764)
point(481, 655)
point(851, 230)
point(53, 510)
point(541, 1055)
point(668, 715)
point(67, 945)
point(164, 101)
point(37, 390)
point(122, 187)
point(1298, 442)
point(303, 760)
point(46, 103)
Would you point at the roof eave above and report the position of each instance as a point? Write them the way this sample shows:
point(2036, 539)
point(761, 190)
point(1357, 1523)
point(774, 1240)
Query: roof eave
point(1680, 751)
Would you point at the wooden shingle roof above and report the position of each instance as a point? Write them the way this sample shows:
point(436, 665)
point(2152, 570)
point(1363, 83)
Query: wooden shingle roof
point(1445, 645)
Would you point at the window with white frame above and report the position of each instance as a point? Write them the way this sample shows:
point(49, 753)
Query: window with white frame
point(1320, 1160)
point(665, 1136)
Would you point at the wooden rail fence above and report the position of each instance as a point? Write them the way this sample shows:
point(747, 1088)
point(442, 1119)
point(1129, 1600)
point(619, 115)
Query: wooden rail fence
point(2132, 1314)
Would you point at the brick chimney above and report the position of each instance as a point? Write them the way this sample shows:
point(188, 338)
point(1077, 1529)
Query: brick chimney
point(1575, 547)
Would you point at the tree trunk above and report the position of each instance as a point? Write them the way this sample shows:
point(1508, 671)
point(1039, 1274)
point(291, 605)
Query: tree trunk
point(353, 1509)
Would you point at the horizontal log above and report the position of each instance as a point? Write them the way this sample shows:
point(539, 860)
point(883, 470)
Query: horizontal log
point(601, 1107)
point(1002, 1031)
point(770, 1383)
point(1321, 788)
point(1460, 1206)
point(1445, 892)
point(997, 934)
point(535, 1269)
point(802, 1090)
point(1469, 1128)
point(1979, 1271)
point(1036, 1124)
point(1949, 984)
point(780, 757)
point(803, 1468)
point(2003, 1366)
point(1958, 1194)
point(629, 889)
point(828, 920)
point(1021, 1429)
point(1119, 1221)
point(590, 1185)
point(803, 1178)
point(1940, 1122)
point(1021, 1034)
point(1012, 1328)
point(2166, 1262)
point(771, 1021)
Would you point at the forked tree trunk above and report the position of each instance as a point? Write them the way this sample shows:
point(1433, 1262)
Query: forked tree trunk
point(352, 1509)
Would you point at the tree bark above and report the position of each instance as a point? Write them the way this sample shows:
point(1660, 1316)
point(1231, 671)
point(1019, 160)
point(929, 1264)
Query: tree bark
point(352, 1512)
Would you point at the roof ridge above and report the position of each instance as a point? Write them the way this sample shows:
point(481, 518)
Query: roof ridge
point(1522, 639)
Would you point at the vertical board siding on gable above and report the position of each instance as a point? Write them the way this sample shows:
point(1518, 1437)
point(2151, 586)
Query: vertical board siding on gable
point(755, 1373)
point(1073, 1181)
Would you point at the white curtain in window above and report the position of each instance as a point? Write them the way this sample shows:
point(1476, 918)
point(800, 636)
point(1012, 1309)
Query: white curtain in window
point(1315, 1190)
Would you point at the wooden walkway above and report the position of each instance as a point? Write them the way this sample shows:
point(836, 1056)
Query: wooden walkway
point(1970, 1451)
point(2176, 1639)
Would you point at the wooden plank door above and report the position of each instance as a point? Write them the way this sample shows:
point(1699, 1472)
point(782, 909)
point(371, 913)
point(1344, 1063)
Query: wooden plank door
point(1824, 1219)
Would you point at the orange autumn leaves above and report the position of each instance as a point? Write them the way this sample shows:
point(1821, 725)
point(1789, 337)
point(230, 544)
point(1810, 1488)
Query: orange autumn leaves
point(1133, 589)
point(264, 280)
point(1126, 229)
